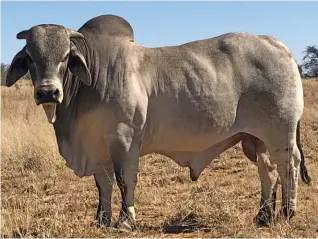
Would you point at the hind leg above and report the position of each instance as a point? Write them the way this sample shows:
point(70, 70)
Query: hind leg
point(287, 158)
point(256, 151)
point(268, 175)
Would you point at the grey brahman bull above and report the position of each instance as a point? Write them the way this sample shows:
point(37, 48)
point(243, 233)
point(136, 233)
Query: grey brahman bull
point(111, 101)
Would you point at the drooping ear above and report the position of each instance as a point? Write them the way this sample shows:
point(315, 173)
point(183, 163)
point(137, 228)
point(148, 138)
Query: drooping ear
point(18, 68)
point(77, 65)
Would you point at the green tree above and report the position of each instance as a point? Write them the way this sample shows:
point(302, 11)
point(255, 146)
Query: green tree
point(4, 69)
point(310, 59)
point(300, 69)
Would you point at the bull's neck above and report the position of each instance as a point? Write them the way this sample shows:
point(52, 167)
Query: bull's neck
point(72, 84)
point(106, 63)
point(74, 90)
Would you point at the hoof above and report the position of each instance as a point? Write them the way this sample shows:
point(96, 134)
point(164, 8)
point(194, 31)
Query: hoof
point(287, 214)
point(102, 222)
point(263, 220)
point(125, 225)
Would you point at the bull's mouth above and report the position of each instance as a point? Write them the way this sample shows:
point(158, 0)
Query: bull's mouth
point(50, 111)
point(49, 95)
point(47, 101)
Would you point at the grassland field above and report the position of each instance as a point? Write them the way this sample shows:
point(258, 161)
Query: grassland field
point(41, 197)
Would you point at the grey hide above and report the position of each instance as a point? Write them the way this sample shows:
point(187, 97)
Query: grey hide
point(111, 101)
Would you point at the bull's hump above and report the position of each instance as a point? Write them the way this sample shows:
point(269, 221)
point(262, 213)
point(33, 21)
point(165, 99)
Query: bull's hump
point(110, 25)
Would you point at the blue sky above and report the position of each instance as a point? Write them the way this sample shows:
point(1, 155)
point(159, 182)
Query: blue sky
point(169, 23)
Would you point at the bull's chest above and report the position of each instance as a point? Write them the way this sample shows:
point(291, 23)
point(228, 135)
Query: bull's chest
point(87, 149)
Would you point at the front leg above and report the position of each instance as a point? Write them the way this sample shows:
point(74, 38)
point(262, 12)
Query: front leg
point(104, 181)
point(125, 160)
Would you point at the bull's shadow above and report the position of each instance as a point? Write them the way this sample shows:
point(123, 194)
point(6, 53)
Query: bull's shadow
point(185, 224)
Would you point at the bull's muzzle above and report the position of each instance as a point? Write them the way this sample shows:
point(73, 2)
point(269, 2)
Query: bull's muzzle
point(48, 94)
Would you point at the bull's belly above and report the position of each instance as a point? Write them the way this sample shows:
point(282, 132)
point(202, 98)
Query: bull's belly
point(189, 122)
point(195, 151)
point(90, 153)
point(174, 141)
point(187, 133)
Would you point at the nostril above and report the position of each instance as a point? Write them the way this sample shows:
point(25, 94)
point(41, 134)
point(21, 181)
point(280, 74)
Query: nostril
point(39, 95)
point(56, 92)
point(47, 94)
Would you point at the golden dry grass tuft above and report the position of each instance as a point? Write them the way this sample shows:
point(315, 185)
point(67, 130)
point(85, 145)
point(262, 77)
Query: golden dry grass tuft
point(41, 197)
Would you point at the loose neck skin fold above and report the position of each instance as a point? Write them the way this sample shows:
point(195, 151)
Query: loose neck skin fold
point(107, 62)
point(74, 90)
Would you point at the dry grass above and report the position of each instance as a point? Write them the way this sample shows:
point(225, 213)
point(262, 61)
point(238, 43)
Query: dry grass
point(41, 197)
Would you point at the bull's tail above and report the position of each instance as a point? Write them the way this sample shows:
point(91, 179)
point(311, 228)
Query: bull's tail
point(303, 170)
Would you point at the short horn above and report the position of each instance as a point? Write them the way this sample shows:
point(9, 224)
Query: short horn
point(23, 34)
point(74, 34)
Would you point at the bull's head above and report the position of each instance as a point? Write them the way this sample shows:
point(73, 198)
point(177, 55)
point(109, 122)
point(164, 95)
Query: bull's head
point(48, 54)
